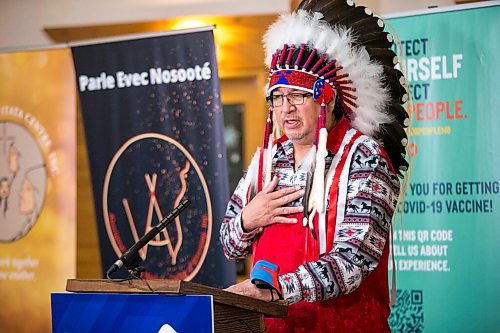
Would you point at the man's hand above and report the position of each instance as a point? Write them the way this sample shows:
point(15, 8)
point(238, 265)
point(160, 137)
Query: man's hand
point(268, 207)
point(247, 288)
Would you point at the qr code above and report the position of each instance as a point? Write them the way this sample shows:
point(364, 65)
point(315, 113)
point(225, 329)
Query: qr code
point(407, 315)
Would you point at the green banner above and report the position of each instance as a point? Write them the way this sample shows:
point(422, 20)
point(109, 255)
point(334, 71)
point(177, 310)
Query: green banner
point(447, 246)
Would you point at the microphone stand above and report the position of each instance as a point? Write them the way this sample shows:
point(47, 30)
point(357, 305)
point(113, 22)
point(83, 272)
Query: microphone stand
point(130, 258)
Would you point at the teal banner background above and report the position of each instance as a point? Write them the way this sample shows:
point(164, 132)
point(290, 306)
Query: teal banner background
point(447, 245)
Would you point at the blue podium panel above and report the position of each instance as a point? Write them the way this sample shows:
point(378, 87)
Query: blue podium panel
point(88, 312)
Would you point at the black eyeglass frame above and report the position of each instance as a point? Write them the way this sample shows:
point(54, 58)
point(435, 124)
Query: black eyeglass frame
point(269, 99)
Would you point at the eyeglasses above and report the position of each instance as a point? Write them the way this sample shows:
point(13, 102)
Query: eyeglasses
point(293, 99)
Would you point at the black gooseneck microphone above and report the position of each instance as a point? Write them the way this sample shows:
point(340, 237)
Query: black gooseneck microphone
point(131, 258)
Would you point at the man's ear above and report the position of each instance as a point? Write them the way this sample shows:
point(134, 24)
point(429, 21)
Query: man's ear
point(331, 104)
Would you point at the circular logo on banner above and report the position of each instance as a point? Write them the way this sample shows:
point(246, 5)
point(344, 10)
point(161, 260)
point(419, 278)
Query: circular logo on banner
point(23, 181)
point(146, 179)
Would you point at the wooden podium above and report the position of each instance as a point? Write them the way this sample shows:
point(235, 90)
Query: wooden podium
point(232, 313)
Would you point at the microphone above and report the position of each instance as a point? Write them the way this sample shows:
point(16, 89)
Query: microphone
point(131, 257)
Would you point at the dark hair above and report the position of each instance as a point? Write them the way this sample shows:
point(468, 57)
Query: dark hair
point(338, 112)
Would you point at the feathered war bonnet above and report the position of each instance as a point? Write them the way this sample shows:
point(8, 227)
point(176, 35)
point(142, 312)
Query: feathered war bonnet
point(335, 44)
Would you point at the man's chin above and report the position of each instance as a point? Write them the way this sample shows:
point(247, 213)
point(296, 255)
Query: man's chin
point(298, 138)
point(294, 135)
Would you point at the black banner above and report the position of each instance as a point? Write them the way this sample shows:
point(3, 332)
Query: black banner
point(154, 129)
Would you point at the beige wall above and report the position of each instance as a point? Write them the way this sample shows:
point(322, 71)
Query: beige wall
point(23, 22)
